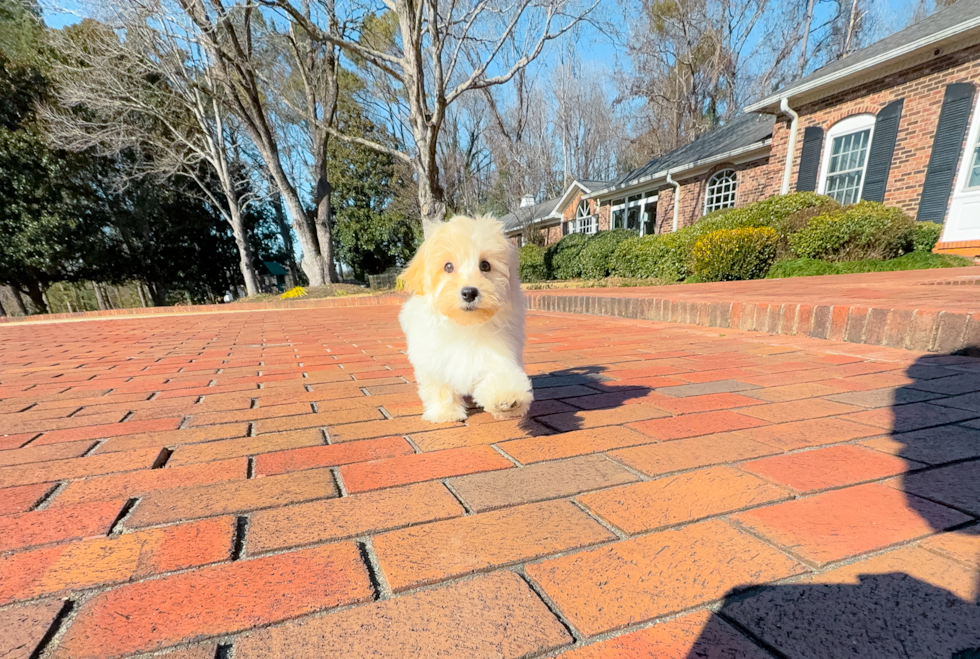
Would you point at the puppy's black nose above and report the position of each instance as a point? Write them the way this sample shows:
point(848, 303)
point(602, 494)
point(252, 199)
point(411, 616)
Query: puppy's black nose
point(469, 293)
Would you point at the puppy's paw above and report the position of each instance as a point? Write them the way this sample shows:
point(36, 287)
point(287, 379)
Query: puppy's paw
point(510, 405)
point(444, 414)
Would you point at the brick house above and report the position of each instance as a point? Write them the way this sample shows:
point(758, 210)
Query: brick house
point(553, 218)
point(896, 122)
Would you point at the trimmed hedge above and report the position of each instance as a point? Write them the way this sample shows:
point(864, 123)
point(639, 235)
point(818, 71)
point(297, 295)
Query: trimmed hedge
point(926, 236)
point(531, 259)
point(562, 260)
point(866, 230)
point(911, 261)
point(597, 255)
point(732, 254)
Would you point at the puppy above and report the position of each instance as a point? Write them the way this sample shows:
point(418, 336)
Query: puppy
point(465, 321)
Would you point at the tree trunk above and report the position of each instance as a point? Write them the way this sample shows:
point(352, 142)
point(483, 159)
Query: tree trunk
point(142, 294)
point(245, 262)
point(99, 297)
point(431, 202)
point(3, 312)
point(158, 294)
point(312, 261)
point(807, 21)
point(64, 294)
point(36, 293)
point(18, 300)
point(286, 235)
point(322, 222)
point(850, 28)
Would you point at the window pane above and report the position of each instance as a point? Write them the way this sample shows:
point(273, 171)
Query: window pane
point(845, 171)
point(633, 218)
point(618, 219)
point(649, 219)
point(974, 181)
point(721, 191)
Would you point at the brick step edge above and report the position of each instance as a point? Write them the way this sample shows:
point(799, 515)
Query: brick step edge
point(918, 330)
point(318, 303)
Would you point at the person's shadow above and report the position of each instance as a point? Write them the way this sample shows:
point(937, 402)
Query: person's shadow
point(884, 615)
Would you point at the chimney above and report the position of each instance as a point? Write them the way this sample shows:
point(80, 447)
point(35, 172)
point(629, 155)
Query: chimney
point(527, 200)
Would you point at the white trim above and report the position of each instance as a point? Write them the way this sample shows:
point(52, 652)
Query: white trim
point(790, 145)
point(870, 63)
point(677, 197)
point(854, 124)
point(735, 157)
point(965, 203)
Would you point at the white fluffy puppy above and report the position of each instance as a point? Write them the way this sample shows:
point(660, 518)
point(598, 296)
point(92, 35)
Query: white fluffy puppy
point(465, 321)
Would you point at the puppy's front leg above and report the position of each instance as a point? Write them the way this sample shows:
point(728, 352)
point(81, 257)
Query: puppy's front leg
point(441, 403)
point(505, 392)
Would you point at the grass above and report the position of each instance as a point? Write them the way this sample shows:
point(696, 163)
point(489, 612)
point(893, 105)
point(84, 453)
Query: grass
point(912, 261)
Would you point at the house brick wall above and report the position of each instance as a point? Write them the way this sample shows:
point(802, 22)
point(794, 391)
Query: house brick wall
point(754, 183)
point(922, 87)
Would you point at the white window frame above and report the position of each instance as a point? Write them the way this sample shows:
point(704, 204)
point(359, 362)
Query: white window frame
point(961, 221)
point(854, 124)
point(647, 198)
point(584, 222)
point(714, 181)
point(971, 152)
point(621, 206)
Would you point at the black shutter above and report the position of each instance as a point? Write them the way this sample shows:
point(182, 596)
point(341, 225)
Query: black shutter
point(882, 150)
point(806, 177)
point(946, 147)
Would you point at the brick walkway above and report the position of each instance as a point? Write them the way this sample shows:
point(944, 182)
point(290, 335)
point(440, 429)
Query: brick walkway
point(261, 485)
point(923, 310)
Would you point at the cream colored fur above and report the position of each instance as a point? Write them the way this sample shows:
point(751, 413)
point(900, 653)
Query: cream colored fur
point(461, 348)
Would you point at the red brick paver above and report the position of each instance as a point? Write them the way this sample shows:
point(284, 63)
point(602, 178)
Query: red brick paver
point(260, 484)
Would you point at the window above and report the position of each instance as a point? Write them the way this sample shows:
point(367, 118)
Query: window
point(721, 191)
point(973, 180)
point(846, 158)
point(585, 221)
point(633, 213)
point(619, 214)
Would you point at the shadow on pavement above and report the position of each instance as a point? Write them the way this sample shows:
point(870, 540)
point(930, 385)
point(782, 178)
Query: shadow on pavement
point(892, 615)
point(584, 387)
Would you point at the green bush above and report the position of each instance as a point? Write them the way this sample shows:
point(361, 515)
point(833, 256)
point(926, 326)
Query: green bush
point(562, 258)
point(926, 236)
point(662, 256)
point(532, 266)
point(771, 211)
point(597, 255)
point(912, 261)
point(731, 254)
point(866, 230)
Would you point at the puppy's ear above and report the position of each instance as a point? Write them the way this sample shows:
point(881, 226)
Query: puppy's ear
point(414, 274)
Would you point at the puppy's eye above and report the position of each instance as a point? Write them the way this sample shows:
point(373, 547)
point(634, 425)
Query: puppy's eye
point(484, 266)
point(448, 267)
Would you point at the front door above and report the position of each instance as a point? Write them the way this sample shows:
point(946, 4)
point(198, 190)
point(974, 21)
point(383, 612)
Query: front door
point(964, 212)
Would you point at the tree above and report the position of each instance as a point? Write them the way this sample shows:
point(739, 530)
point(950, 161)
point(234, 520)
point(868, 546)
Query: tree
point(429, 55)
point(148, 93)
point(371, 231)
point(231, 39)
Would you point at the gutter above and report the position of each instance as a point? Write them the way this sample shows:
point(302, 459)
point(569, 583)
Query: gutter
point(894, 53)
point(677, 197)
point(791, 145)
point(721, 157)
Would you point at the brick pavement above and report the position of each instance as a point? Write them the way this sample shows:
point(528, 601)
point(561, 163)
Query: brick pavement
point(261, 485)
